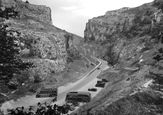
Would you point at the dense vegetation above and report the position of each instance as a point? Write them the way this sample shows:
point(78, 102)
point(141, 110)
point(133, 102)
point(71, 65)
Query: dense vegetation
point(10, 43)
point(10, 61)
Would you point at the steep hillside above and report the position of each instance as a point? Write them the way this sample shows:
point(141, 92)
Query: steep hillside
point(58, 56)
point(131, 41)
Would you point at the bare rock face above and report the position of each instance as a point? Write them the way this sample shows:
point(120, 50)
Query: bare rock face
point(41, 43)
point(8, 3)
point(123, 33)
point(40, 13)
point(112, 22)
point(131, 40)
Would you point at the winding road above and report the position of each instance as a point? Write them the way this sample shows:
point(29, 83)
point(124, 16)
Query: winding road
point(88, 81)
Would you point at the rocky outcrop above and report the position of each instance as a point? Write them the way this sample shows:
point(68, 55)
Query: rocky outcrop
point(41, 42)
point(102, 27)
point(131, 40)
point(124, 33)
point(37, 12)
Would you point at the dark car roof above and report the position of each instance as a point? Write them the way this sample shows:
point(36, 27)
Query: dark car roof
point(49, 89)
point(80, 92)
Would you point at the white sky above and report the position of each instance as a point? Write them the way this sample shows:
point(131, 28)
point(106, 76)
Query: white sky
point(72, 15)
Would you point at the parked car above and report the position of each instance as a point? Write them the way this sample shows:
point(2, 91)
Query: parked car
point(104, 80)
point(100, 81)
point(78, 96)
point(92, 64)
point(47, 92)
point(92, 89)
point(98, 67)
point(101, 84)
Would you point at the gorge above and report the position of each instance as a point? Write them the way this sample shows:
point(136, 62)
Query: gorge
point(58, 57)
point(129, 39)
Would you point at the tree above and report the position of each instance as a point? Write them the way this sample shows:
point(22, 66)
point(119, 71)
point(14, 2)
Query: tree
point(10, 61)
point(8, 12)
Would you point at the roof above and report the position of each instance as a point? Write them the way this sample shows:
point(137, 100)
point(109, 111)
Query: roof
point(49, 89)
point(79, 92)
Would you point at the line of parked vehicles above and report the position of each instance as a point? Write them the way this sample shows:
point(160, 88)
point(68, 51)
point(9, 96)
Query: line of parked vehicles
point(53, 92)
point(100, 83)
point(72, 99)
point(77, 96)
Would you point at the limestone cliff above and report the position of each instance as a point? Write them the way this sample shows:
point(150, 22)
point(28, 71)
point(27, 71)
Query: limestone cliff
point(42, 43)
point(124, 32)
point(131, 40)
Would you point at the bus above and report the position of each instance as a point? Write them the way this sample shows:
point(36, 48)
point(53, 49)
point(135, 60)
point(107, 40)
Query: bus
point(78, 97)
point(47, 92)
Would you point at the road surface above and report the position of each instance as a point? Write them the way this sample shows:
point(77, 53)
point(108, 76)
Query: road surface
point(88, 81)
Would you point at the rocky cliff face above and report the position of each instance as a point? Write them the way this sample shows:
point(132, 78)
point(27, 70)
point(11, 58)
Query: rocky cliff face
point(37, 12)
point(124, 33)
point(41, 43)
point(131, 40)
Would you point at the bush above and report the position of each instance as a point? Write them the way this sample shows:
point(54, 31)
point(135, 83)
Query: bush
point(13, 83)
point(24, 76)
point(37, 79)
